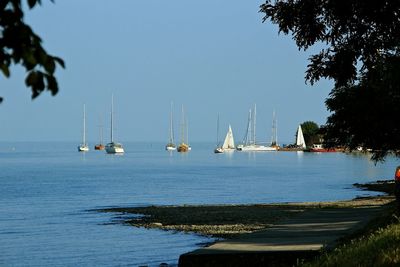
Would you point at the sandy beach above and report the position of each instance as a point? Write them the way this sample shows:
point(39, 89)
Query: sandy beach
point(229, 221)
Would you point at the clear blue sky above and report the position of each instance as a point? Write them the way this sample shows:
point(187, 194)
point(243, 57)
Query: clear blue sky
point(215, 57)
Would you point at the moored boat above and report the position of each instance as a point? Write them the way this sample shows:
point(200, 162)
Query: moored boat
point(218, 149)
point(229, 142)
point(321, 148)
point(183, 146)
point(300, 142)
point(249, 142)
point(84, 146)
point(171, 144)
point(113, 147)
point(100, 145)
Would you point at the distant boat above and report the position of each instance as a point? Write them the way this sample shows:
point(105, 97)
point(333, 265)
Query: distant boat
point(229, 143)
point(84, 146)
point(249, 141)
point(171, 144)
point(218, 149)
point(183, 146)
point(321, 148)
point(113, 147)
point(300, 142)
point(274, 136)
point(100, 145)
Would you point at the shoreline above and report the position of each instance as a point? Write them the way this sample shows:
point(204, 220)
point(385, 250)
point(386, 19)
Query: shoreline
point(232, 221)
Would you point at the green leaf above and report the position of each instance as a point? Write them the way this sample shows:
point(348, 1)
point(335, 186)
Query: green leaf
point(32, 3)
point(31, 79)
point(49, 65)
point(59, 61)
point(38, 86)
point(5, 70)
point(52, 84)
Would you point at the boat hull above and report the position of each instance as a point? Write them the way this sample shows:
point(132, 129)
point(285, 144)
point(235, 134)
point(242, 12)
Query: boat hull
point(83, 148)
point(323, 150)
point(99, 147)
point(184, 148)
point(218, 150)
point(170, 147)
point(114, 148)
point(256, 148)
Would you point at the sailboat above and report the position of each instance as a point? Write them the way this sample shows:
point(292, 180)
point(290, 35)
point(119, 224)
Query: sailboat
point(100, 145)
point(300, 142)
point(113, 147)
point(218, 148)
point(229, 143)
point(183, 147)
point(84, 146)
point(274, 136)
point(249, 141)
point(171, 145)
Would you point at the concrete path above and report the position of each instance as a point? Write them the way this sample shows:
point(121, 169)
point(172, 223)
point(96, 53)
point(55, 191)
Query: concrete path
point(302, 236)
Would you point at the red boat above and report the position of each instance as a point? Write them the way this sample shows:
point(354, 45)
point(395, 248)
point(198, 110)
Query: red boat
point(320, 148)
point(99, 147)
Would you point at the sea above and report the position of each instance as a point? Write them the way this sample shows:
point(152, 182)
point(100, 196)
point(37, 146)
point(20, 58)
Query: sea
point(49, 193)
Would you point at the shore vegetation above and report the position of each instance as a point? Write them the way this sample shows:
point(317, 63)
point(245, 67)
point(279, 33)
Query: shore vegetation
point(378, 244)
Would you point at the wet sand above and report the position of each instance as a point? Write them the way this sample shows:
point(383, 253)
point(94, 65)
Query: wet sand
point(229, 221)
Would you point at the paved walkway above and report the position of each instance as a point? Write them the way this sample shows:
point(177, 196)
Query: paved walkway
point(302, 236)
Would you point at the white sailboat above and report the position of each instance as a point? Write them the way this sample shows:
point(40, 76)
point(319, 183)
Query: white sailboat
point(113, 147)
point(229, 142)
point(218, 149)
point(171, 144)
point(84, 146)
point(300, 142)
point(249, 141)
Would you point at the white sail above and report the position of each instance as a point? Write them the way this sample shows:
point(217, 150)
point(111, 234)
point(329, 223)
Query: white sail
point(300, 142)
point(229, 142)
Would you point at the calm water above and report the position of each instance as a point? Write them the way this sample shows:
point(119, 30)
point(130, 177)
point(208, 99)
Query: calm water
point(47, 189)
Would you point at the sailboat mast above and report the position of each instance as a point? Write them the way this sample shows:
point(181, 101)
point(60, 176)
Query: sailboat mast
point(274, 137)
point(187, 131)
point(112, 111)
point(101, 134)
point(84, 125)
point(218, 130)
point(246, 138)
point(183, 126)
point(171, 126)
point(254, 124)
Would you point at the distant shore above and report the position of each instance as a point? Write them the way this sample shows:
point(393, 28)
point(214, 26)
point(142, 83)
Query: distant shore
point(229, 221)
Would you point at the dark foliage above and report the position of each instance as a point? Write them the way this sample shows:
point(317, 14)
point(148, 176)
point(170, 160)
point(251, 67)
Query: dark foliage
point(367, 114)
point(361, 41)
point(310, 132)
point(20, 45)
